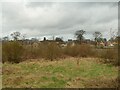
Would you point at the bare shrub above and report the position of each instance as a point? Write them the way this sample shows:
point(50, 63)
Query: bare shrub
point(44, 50)
point(86, 51)
point(27, 52)
point(82, 50)
point(71, 50)
point(12, 52)
point(110, 56)
point(52, 51)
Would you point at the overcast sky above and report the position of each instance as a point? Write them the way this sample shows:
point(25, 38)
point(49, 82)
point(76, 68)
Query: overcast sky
point(59, 19)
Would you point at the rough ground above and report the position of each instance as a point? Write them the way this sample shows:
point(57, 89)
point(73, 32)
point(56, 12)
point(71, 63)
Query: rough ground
point(66, 73)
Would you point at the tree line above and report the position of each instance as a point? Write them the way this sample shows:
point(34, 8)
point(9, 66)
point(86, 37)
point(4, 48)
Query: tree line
point(79, 34)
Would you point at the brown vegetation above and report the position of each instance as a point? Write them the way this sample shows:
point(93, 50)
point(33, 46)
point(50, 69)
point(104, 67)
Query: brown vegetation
point(12, 52)
point(60, 74)
point(82, 50)
point(15, 52)
point(109, 56)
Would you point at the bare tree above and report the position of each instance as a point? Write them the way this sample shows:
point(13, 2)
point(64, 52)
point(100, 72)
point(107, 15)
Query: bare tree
point(113, 35)
point(6, 38)
point(79, 35)
point(16, 35)
point(23, 36)
point(97, 35)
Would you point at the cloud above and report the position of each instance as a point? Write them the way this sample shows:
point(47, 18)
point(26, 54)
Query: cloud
point(37, 19)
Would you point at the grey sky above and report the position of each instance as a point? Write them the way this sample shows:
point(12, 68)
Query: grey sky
point(38, 19)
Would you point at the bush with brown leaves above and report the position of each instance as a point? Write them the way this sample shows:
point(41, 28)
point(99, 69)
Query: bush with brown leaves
point(12, 52)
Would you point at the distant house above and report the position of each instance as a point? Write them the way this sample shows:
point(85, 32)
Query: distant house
point(70, 42)
point(64, 44)
point(58, 39)
point(26, 42)
point(102, 44)
point(88, 41)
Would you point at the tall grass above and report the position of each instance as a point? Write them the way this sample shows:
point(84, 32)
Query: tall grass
point(0, 52)
point(109, 56)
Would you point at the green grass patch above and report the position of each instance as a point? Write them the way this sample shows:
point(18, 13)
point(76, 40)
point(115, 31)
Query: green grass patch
point(56, 74)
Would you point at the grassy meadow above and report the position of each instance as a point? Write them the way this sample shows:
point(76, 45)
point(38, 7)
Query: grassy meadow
point(50, 66)
point(0, 65)
point(0, 52)
point(64, 73)
point(59, 44)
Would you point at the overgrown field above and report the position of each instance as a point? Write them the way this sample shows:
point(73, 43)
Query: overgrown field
point(63, 73)
point(0, 75)
point(0, 52)
point(16, 52)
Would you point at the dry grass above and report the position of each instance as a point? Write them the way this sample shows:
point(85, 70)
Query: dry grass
point(108, 56)
point(63, 73)
point(0, 66)
point(0, 52)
